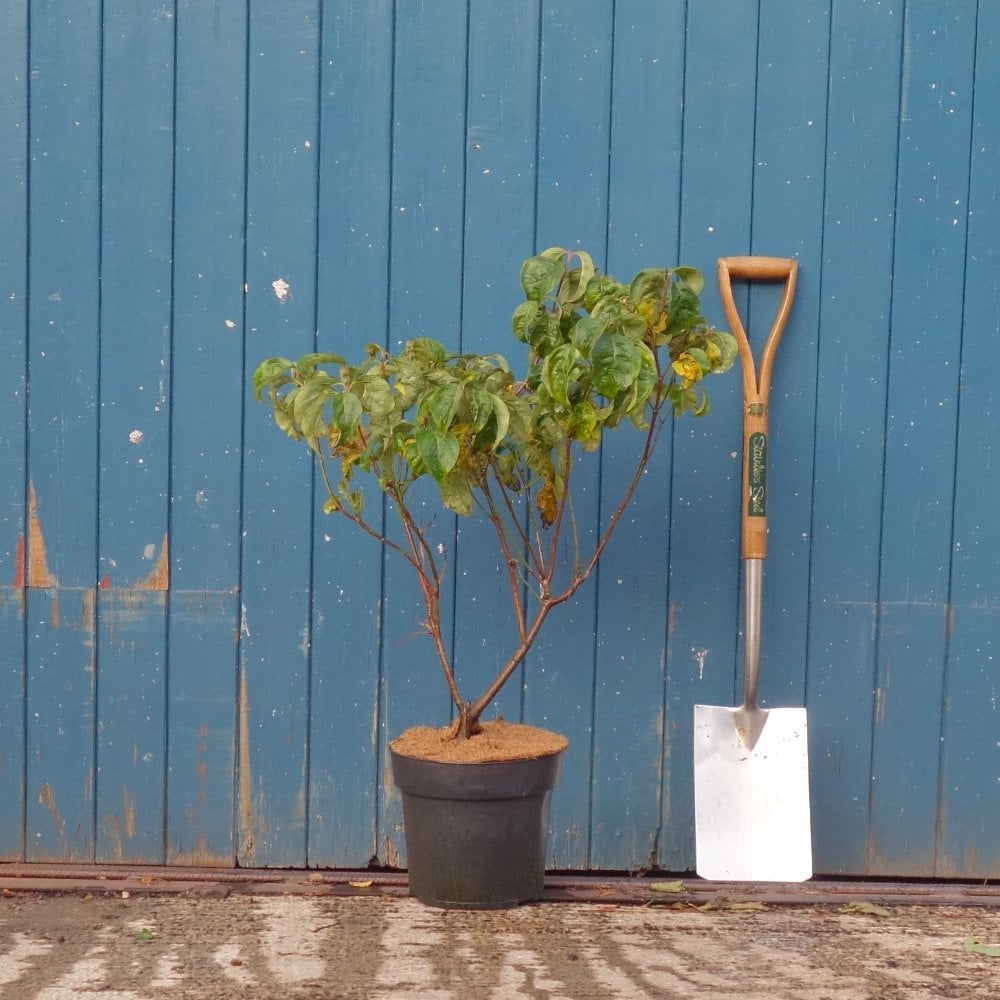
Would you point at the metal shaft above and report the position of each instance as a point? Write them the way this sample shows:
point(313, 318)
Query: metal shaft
point(753, 579)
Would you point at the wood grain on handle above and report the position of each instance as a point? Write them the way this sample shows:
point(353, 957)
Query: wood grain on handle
point(756, 387)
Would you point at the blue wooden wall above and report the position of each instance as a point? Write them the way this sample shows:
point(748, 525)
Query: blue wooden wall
point(197, 667)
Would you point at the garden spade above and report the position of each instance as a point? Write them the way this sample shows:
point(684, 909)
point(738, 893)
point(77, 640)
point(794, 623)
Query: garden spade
point(751, 765)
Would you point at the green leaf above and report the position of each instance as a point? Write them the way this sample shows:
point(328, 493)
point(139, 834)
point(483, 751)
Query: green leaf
point(600, 288)
point(285, 421)
point(518, 415)
point(346, 410)
point(438, 452)
point(377, 397)
point(524, 315)
point(691, 277)
point(685, 309)
point(728, 351)
point(648, 283)
point(976, 947)
point(631, 325)
point(440, 405)
point(144, 935)
point(456, 493)
point(540, 275)
point(543, 334)
point(616, 362)
point(586, 331)
point(426, 352)
point(502, 413)
point(584, 426)
point(575, 281)
point(477, 406)
point(556, 372)
point(309, 361)
point(331, 505)
point(271, 371)
point(309, 404)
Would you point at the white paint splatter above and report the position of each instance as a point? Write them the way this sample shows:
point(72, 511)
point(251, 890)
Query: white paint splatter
point(700, 656)
point(281, 289)
point(231, 324)
point(136, 437)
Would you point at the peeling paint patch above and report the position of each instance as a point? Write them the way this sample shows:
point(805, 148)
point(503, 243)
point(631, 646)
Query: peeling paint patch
point(47, 798)
point(136, 436)
point(38, 567)
point(19, 562)
point(159, 579)
point(281, 289)
point(245, 782)
point(128, 802)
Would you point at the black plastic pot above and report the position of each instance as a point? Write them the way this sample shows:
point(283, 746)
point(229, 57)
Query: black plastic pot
point(476, 833)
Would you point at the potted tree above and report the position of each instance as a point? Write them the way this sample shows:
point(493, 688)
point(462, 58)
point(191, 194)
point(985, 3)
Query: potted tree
point(601, 355)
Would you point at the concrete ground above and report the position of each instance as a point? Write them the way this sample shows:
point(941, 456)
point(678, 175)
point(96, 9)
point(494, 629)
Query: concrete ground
point(147, 933)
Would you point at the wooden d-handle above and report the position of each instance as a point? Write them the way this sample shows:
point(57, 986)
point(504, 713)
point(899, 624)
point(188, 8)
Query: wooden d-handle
point(756, 386)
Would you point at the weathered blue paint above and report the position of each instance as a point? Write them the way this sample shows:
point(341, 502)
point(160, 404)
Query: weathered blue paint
point(197, 667)
point(282, 115)
point(354, 212)
point(861, 126)
point(970, 754)
point(427, 197)
point(208, 389)
point(715, 198)
point(134, 430)
point(64, 304)
point(13, 415)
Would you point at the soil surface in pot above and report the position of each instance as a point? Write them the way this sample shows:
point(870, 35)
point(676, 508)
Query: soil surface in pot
point(498, 741)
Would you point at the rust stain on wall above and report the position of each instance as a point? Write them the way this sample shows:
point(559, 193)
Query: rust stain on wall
point(245, 784)
point(128, 804)
point(19, 562)
point(112, 826)
point(47, 797)
point(38, 566)
point(390, 856)
point(159, 579)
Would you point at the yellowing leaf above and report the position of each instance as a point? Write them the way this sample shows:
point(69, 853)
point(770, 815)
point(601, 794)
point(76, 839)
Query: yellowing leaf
point(366, 884)
point(547, 503)
point(870, 909)
point(977, 947)
point(677, 886)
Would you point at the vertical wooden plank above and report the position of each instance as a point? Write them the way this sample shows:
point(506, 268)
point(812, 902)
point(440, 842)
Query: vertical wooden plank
point(13, 413)
point(133, 530)
point(428, 160)
point(789, 162)
point(790, 155)
point(967, 845)
point(204, 613)
point(719, 99)
point(933, 183)
point(574, 136)
point(631, 626)
point(356, 114)
point(499, 234)
point(64, 303)
point(862, 123)
point(277, 489)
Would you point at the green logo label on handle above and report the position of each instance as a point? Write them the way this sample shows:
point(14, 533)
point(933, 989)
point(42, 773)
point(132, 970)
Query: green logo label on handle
point(757, 475)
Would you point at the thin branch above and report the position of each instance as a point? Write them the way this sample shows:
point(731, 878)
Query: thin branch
point(513, 577)
point(655, 427)
point(532, 564)
point(358, 519)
